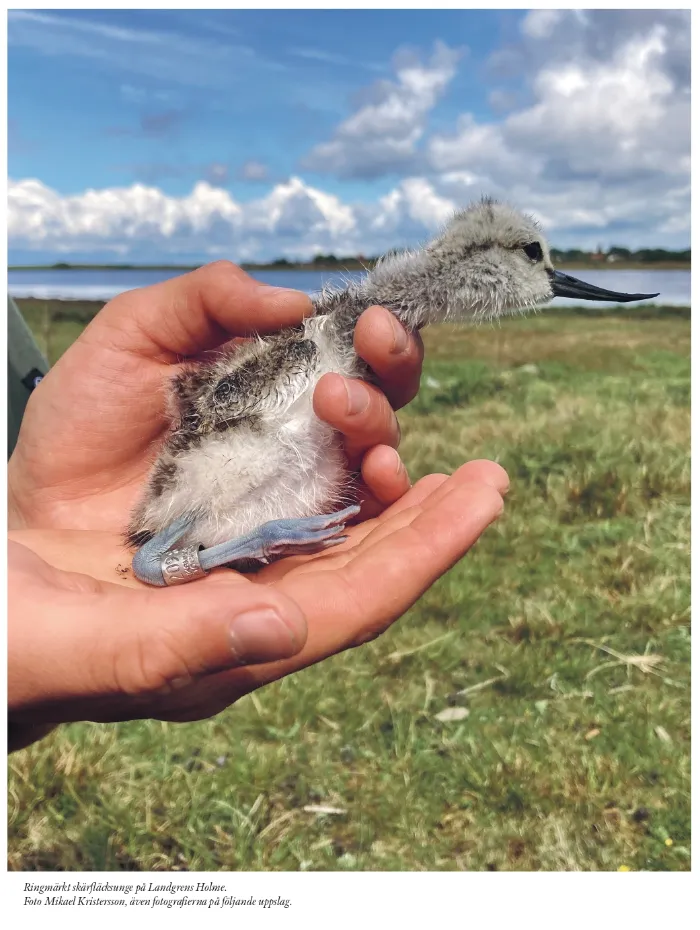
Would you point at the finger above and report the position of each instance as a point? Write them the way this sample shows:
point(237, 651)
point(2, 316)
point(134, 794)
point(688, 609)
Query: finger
point(394, 355)
point(136, 644)
point(426, 493)
point(394, 571)
point(385, 474)
point(432, 488)
point(197, 311)
point(357, 410)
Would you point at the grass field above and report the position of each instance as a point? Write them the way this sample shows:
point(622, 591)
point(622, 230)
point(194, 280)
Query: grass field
point(560, 645)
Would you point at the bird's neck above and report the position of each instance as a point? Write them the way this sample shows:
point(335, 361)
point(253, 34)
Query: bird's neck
point(402, 284)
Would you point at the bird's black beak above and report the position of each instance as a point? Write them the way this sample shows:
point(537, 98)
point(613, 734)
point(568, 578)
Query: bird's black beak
point(564, 285)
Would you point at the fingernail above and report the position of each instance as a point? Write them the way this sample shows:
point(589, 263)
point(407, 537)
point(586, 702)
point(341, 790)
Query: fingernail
point(400, 467)
point(358, 397)
point(400, 338)
point(261, 636)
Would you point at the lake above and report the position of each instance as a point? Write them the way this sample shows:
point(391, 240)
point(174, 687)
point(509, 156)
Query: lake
point(673, 286)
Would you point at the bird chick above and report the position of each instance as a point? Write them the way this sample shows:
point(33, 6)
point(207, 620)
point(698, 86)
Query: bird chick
point(248, 472)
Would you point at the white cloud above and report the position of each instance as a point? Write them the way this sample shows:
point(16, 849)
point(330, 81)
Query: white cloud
point(412, 207)
point(382, 134)
point(604, 143)
point(112, 218)
point(610, 117)
point(297, 221)
point(293, 209)
point(291, 219)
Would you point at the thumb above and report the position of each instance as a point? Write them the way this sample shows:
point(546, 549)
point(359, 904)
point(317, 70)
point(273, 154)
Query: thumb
point(74, 641)
point(176, 636)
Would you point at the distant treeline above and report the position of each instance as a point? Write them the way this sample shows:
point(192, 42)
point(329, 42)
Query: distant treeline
point(618, 253)
point(615, 254)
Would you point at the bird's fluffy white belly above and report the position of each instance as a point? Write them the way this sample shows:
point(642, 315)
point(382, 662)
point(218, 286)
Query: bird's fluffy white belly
point(288, 464)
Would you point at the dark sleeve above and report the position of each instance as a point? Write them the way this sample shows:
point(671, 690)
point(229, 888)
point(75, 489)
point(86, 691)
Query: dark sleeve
point(25, 364)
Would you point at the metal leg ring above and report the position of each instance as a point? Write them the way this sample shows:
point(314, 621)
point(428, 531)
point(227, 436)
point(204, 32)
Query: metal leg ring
point(179, 566)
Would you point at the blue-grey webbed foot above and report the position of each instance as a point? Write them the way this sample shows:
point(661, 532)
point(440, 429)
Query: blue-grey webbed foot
point(280, 538)
point(157, 563)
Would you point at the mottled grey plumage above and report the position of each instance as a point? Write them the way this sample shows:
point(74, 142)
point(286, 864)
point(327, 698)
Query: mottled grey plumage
point(246, 447)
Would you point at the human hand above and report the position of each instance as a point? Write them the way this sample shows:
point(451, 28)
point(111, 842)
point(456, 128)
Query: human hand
point(87, 642)
point(90, 427)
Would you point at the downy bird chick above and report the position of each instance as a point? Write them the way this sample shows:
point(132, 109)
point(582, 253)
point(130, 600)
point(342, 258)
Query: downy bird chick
point(248, 472)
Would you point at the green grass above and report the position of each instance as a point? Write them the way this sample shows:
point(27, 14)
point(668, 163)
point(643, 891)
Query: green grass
point(564, 634)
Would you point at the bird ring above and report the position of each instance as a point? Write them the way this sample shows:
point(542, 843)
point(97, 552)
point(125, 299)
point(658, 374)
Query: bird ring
point(182, 565)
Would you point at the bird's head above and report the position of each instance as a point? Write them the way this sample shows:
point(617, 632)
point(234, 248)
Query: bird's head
point(489, 261)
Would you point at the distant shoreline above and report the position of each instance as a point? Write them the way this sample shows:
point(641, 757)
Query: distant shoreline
point(343, 266)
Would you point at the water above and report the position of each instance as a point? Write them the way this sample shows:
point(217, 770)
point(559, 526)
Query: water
point(673, 286)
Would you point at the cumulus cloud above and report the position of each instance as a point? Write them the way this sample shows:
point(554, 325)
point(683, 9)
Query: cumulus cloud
point(141, 220)
point(605, 140)
point(296, 220)
point(389, 120)
point(292, 219)
point(410, 210)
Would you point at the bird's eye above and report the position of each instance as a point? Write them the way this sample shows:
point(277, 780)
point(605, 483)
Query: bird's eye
point(533, 250)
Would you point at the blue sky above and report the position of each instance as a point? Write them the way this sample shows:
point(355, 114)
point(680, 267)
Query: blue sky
point(182, 134)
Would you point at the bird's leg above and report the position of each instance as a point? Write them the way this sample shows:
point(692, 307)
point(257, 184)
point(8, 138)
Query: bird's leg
point(149, 562)
point(157, 563)
point(280, 538)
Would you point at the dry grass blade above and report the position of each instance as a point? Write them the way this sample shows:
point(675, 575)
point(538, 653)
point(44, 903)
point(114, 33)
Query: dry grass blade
point(276, 823)
point(647, 663)
point(323, 809)
point(397, 656)
point(452, 714)
point(472, 689)
point(663, 734)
